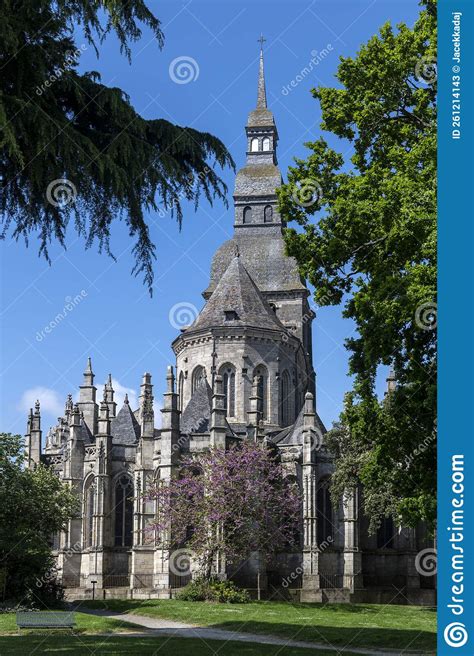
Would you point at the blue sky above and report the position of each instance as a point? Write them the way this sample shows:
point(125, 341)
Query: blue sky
point(108, 313)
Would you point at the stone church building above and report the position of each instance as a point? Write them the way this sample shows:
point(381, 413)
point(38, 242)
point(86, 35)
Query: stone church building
point(243, 372)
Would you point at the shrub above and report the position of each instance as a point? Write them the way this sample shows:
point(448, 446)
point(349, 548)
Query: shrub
point(224, 592)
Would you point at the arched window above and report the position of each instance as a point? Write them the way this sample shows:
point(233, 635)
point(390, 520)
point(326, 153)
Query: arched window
point(181, 390)
point(89, 510)
point(254, 145)
point(262, 375)
point(247, 216)
point(324, 513)
point(286, 405)
point(268, 214)
point(123, 512)
point(266, 144)
point(385, 534)
point(227, 371)
point(198, 374)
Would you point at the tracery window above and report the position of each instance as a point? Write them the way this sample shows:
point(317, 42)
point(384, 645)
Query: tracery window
point(324, 513)
point(286, 399)
point(181, 390)
point(89, 510)
point(227, 371)
point(262, 374)
point(198, 374)
point(124, 512)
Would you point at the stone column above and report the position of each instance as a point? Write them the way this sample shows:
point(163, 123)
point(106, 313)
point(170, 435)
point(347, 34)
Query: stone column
point(143, 542)
point(169, 459)
point(352, 554)
point(311, 577)
point(69, 556)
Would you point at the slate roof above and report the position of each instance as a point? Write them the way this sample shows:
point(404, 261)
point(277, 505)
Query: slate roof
point(124, 427)
point(236, 292)
point(196, 417)
point(259, 179)
point(264, 258)
point(293, 435)
point(84, 432)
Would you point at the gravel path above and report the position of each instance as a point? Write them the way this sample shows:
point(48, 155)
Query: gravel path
point(161, 626)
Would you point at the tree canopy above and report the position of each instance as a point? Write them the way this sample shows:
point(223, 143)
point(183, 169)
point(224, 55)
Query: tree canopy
point(73, 149)
point(34, 504)
point(367, 239)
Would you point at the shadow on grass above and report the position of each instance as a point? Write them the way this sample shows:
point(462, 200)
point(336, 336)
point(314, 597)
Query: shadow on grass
point(156, 646)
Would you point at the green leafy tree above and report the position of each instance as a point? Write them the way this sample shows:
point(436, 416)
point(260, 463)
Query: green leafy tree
point(367, 239)
point(75, 149)
point(34, 504)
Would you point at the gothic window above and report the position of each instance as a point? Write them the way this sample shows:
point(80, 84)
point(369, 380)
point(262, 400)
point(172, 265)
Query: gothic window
point(181, 390)
point(227, 372)
point(286, 399)
point(266, 144)
point(268, 214)
point(324, 513)
point(262, 375)
point(123, 512)
point(198, 374)
point(385, 534)
point(89, 503)
point(247, 214)
point(254, 145)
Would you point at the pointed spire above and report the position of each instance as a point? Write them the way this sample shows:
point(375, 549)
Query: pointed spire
point(126, 399)
point(261, 92)
point(88, 373)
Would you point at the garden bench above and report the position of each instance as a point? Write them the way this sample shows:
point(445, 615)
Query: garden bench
point(45, 620)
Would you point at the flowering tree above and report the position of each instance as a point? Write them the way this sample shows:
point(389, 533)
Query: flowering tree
point(232, 502)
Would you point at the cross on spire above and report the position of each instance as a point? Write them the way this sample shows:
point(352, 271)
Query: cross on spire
point(261, 93)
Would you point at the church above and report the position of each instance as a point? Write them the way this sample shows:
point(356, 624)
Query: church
point(243, 372)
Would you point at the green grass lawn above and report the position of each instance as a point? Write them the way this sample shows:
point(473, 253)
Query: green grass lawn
point(99, 646)
point(358, 625)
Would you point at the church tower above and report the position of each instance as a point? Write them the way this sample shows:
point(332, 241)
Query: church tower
point(258, 235)
point(256, 323)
